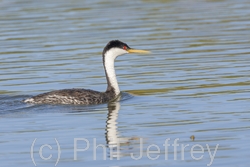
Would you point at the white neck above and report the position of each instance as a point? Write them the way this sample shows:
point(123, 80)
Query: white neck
point(109, 59)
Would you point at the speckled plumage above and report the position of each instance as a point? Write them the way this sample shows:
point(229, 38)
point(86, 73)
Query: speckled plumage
point(73, 96)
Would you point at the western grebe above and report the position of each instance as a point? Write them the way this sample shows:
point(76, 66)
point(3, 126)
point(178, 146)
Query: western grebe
point(85, 96)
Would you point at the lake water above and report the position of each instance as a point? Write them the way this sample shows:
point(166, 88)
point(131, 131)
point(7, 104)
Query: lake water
point(193, 90)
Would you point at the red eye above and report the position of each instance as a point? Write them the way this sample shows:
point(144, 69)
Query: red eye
point(125, 47)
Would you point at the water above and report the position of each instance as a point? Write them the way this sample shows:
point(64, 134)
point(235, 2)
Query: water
point(195, 82)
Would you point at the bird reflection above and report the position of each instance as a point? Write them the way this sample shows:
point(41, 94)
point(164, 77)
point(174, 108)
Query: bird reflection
point(113, 138)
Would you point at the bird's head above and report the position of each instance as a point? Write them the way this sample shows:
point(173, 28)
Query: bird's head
point(116, 48)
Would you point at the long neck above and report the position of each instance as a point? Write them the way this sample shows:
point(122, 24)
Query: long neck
point(108, 63)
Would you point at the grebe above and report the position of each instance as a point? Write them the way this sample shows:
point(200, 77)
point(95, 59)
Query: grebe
point(85, 96)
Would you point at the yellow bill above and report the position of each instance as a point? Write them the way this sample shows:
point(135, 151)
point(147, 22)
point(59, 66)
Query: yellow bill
point(138, 51)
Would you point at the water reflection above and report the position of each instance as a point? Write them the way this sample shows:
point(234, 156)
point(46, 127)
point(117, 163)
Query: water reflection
point(117, 143)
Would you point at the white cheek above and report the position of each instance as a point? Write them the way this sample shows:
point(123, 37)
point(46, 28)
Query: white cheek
point(113, 53)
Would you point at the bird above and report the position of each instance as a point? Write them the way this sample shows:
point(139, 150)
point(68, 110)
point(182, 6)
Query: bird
point(77, 96)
